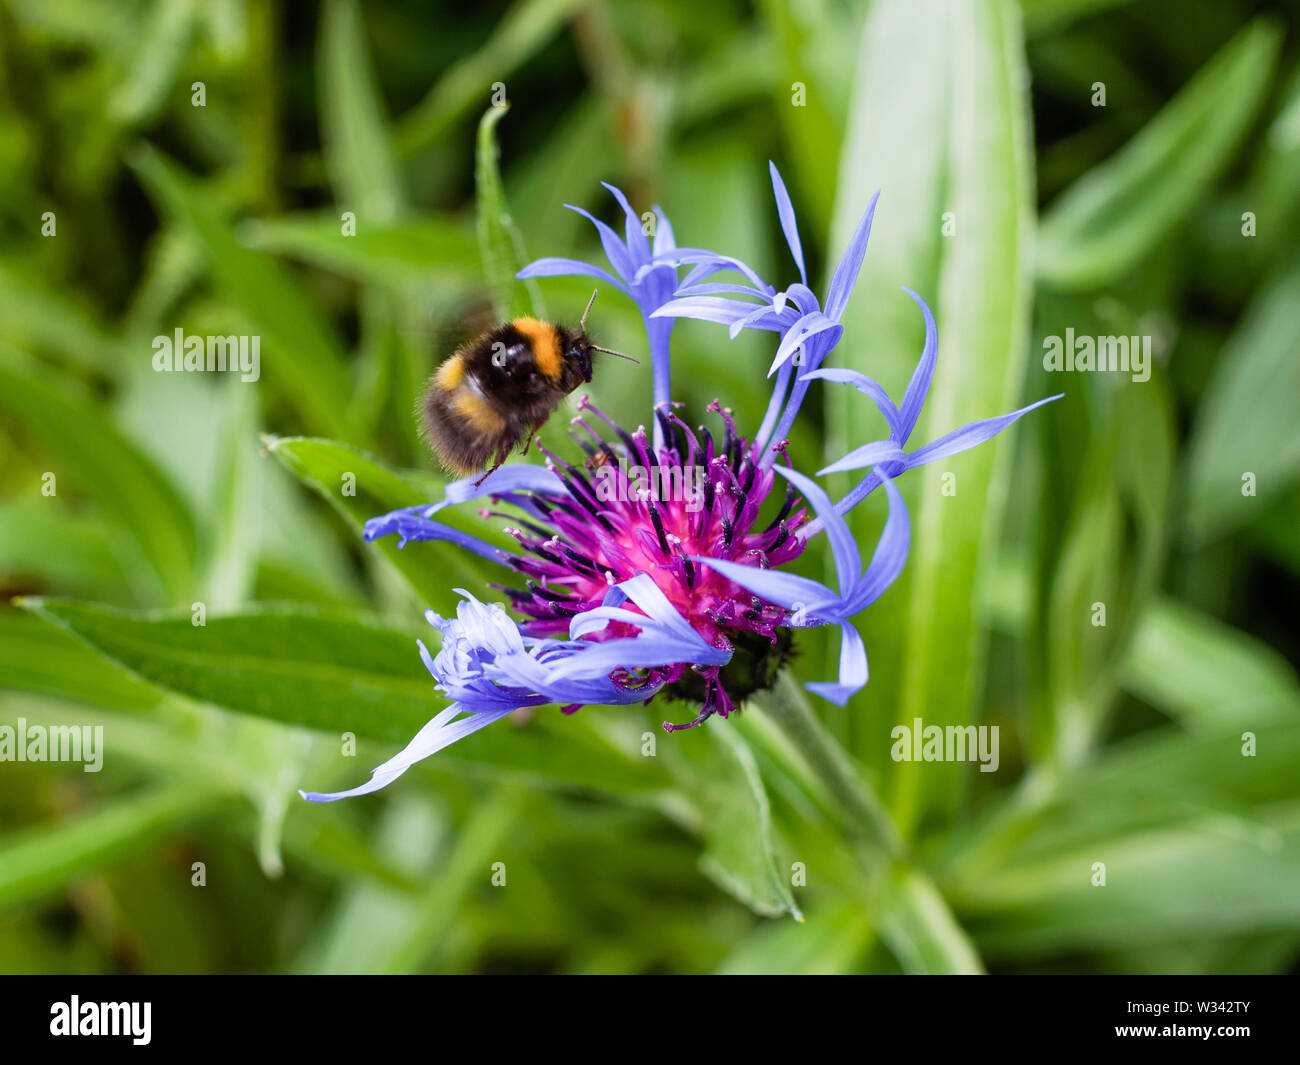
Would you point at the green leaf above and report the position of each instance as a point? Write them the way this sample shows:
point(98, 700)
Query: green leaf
point(1094, 518)
point(300, 554)
point(166, 916)
point(599, 749)
point(1200, 837)
point(577, 152)
point(331, 846)
point(330, 671)
point(500, 242)
point(159, 53)
point(378, 350)
point(736, 819)
point(1208, 675)
point(172, 263)
point(801, 750)
point(1213, 769)
point(1089, 570)
point(1247, 422)
point(38, 318)
point(468, 863)
point(434, 569)
point(523, 31)
point(1158, 781)
point(372, 921)
point(87, 563)
point(833, 940)
point(408, 252)
point(812, 56)
point(920, 929)
point(279, 757)
point(231, 558)
point(736, 71)
point(1107, 221)
point(48, 857)
point(961, 146)
point(89, 452)
point(1147, 448)
point(1204, 877)
point(174, 742)
point(1045, 16)
point(1270, 189)
point(354, 127)
point(300, 353)
point(1275, 535)
point(39, 658)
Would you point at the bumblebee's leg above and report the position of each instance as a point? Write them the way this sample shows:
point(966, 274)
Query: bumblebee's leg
point(532, 435)
point(503, 453)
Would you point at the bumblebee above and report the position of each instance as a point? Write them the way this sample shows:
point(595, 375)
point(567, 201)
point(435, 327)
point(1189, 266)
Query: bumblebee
point(506, 383)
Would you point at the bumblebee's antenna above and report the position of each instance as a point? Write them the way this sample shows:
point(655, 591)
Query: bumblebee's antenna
point(582, 322)
point(582, 325)
point(611, 351)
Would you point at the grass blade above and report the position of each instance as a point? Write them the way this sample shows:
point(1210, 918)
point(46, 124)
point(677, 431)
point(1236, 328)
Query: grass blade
point(1112, 216)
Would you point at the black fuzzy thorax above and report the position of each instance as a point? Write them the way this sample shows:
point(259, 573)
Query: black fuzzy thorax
point(505, 365)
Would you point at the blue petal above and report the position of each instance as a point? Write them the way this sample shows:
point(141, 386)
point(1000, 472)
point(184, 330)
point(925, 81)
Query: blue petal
point(853, 668)
point(665, 241)
point(657, 615)
point(919, 386)
point(890, 556)
point(775, 404)
point(784, 589)
point(868, 387)
point(720, 289)
point(557, 267)
point(441, 732)
point(615, 250)
point(969, 435)
point(846, 273)
point(599, 617)
point(804, 298)
point(848, 563)
point(809, 326)
point(410, 524)
point(872, 454)
point(706, 309)
point(636, 652)
point(759, 318)
point(643, 591)
point(785, 209)
point(637, 244)
point(702, 270)
point(706, 262)
point(513, 477)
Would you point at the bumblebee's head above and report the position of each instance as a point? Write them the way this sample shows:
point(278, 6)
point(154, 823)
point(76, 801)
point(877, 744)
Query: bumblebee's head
point(577, 352)
point(578, 355)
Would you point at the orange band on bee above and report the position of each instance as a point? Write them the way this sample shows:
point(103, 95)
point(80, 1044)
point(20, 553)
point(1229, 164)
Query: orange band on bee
point(475, 409)
point(451, 373)
point(545, 342)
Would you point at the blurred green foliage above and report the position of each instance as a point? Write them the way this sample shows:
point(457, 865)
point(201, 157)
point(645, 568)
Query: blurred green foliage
point(188, 164)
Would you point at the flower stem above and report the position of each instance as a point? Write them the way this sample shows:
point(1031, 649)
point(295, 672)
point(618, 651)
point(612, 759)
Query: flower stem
point(788, 707)
point(914, 917)
point(658, 329)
